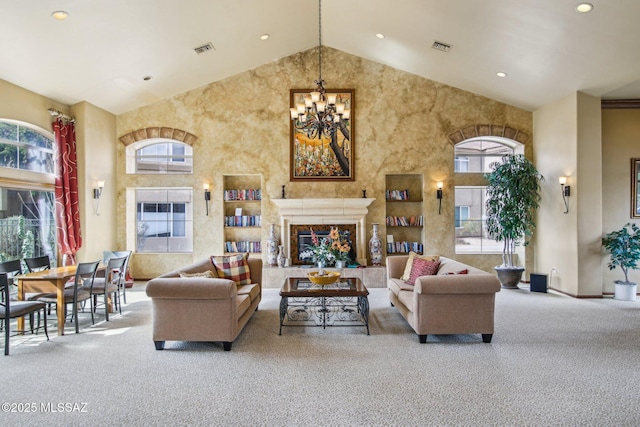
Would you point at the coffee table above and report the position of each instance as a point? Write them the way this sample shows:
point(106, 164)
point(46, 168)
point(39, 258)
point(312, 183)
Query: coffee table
point(343, 303)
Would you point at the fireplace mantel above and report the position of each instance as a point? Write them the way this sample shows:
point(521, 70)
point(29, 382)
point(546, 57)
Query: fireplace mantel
point(325, 211)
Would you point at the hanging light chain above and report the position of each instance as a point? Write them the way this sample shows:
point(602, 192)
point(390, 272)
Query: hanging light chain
point(320, 42)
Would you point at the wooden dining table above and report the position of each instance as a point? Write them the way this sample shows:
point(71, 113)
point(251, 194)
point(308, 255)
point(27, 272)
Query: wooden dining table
point(52, 280)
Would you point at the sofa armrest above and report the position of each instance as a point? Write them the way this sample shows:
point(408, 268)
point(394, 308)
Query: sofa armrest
point(395, 266)
point(191, 288)
point(457, 284)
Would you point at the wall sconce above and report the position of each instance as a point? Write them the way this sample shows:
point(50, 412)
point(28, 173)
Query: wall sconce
point(439, 196)
point(207, 196)
point(566, 192)
point(97, 193)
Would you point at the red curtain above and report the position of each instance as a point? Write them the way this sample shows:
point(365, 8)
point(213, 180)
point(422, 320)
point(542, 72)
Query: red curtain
point(67, 209)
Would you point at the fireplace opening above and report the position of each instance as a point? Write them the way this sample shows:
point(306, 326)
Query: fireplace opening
point(301, 238)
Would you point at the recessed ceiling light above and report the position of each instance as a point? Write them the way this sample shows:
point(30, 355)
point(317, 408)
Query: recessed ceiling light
point(584, 7)
point(264, 36)
point(501, 74)
point(60, 15)
point(380, 35)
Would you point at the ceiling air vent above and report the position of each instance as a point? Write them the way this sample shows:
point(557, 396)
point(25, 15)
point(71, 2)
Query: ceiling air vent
point(441, 46)
point(204, 48)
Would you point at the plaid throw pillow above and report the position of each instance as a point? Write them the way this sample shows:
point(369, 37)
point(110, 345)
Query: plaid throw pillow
point(233, 267)
point(422, 267)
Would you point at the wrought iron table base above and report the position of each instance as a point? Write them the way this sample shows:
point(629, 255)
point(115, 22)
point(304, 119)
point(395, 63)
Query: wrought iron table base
point(325, 311)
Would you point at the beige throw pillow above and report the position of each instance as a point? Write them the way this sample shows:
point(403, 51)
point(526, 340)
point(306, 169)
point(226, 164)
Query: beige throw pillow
point(207, 274)
point(412, 255)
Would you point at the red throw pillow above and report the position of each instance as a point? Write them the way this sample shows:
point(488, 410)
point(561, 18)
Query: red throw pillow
point(422, 267)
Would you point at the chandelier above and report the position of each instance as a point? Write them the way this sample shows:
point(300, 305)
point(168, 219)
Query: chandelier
point(323, 114)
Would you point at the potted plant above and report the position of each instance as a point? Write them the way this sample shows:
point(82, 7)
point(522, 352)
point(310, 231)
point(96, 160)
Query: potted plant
point(513, 195)
point(624, 247)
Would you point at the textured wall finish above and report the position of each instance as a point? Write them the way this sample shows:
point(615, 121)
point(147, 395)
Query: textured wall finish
point(242, 126)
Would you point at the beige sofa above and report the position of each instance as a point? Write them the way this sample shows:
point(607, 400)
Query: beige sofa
point(202, 309)
point(445, 303)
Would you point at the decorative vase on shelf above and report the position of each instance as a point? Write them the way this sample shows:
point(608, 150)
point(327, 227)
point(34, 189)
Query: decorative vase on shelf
point(272, 246)
point(341, 264)
point(281, 256)
point(321, 264)
point(375, 247)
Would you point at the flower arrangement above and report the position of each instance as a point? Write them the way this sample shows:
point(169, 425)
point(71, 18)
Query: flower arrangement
point(340, 245)
point(328, 249)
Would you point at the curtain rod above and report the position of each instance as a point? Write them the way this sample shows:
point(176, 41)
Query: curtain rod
point(57, 113)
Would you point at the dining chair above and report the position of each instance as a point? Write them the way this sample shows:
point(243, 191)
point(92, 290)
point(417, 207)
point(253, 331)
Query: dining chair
point(75, 294)
point(107, 285)
point(38, 263)
point(12, 309)
point(122, 288)
point(13, 268)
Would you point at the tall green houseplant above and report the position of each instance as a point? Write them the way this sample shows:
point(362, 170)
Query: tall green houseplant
point(624, 247)
point(513, 195)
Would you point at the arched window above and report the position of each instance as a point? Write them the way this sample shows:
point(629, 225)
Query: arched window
point(164, 214)
point(24, 147)
point(159, 156)
point(27, 209)
point(474, 155)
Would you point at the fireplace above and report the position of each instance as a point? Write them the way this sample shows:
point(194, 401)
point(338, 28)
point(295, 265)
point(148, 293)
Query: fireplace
point(346, 214)
point(301, 237)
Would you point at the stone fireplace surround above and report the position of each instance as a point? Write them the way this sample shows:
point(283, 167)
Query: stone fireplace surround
point(335, 211)
point(331, 211)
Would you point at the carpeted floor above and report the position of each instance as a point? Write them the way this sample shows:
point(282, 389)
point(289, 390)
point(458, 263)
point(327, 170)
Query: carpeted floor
point(554, 360)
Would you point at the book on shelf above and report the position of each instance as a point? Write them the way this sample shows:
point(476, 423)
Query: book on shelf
point(243, 221)
point(243, 246)
point(404, 247)
point(403, 221)
point(397, 194)
point(243, 195)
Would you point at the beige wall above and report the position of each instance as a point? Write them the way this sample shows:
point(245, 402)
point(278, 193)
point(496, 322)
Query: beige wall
point(567, 143)
point(242, 124)
point(96, 152)
point(620, 143)
point(555, 147)
point(95, 135)
point(588, 191)
point(20, 104)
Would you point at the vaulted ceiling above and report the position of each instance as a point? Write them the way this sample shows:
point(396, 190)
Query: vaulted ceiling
point(104, 49)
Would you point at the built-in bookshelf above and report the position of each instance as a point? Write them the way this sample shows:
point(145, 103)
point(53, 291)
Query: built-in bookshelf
point(404, 213)
point(242, 198)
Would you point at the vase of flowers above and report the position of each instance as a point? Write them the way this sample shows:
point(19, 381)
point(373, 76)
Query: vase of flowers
point(340, 247)
point(325, 251)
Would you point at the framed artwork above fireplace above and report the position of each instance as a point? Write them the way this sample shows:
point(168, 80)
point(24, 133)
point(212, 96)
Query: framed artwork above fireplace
point(322, 155)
